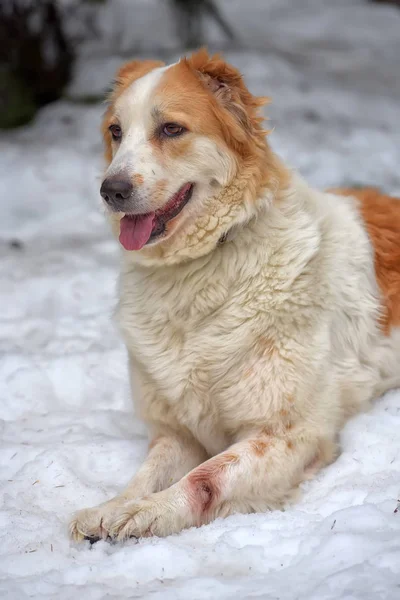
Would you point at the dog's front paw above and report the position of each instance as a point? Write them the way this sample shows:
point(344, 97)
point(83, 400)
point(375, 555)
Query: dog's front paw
point(159, 514)
point(94, 524)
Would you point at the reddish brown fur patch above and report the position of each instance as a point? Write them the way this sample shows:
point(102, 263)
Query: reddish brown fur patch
point(267, 346)
point(133, 70)
point(183, 99)
point(204, 488)
point(174, 147)
point(226, 86)
point(183, 96)
point(205, 481)
point(138, 179)
point(382, 219)
point(289, 445)
point(206, 493)
point(228, 459)
point(267, 431)
point(259, 447)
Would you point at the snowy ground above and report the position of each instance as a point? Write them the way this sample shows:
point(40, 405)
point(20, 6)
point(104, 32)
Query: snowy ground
point(68, 435)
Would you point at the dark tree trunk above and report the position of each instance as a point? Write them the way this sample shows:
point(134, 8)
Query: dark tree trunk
point(36, 58)
point(191, 14)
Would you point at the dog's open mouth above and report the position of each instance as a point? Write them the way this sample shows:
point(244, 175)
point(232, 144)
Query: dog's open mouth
point(137, 230)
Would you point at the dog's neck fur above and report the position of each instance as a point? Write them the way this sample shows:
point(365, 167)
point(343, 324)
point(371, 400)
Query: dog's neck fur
point(224, 214)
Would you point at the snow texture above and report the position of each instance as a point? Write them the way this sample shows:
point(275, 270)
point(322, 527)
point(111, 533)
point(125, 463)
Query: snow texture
point(69, 438)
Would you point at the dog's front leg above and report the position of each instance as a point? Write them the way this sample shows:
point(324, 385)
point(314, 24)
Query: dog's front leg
point(171, 456)
point(253, 475)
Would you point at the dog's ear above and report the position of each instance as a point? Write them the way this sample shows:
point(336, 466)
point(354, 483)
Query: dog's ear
point(227, 86)
point(126, 75)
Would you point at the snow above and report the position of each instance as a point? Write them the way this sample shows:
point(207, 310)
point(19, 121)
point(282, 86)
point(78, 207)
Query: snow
point(68, 434)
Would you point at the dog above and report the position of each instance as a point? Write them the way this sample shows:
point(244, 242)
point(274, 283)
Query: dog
point(259, 314)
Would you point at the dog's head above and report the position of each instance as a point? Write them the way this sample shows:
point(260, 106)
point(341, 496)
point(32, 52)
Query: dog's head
point(176, 137)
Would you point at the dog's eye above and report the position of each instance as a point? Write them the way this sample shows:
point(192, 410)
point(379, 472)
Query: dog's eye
point(172, 129)
point(116, 132)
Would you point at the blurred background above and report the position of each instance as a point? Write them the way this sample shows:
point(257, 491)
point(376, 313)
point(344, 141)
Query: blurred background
point(52, 49)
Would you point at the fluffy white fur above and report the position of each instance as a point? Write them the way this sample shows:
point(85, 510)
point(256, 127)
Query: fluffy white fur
point(245, 357)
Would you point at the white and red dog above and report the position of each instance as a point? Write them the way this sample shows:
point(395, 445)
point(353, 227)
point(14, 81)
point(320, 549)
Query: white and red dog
point(259, 314)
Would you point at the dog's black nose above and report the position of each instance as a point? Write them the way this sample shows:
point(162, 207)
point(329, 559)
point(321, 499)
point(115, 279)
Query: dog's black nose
point(115, 190)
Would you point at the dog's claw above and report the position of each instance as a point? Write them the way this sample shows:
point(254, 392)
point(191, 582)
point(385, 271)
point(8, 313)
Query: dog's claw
point(93, 539)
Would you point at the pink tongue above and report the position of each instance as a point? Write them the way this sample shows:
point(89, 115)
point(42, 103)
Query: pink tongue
point(136, 230)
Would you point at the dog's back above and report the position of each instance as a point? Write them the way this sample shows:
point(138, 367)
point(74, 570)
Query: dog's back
point(381, 215)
